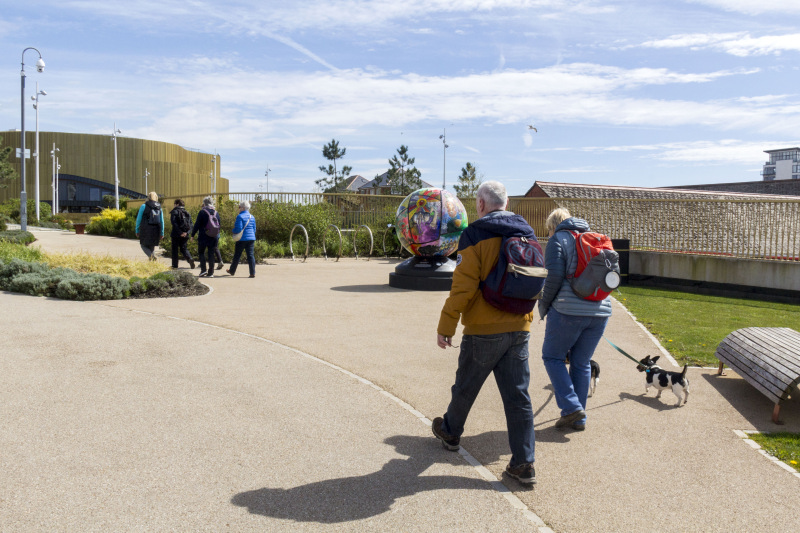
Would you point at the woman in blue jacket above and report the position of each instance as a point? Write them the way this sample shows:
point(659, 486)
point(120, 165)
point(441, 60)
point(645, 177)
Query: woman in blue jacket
point(246, 224)
point(573, 324)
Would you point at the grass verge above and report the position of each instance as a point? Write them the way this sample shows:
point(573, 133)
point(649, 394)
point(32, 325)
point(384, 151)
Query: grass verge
point(784, 446)
point(691, 326)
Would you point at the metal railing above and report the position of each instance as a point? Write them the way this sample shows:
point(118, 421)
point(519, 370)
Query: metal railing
point(752, 229)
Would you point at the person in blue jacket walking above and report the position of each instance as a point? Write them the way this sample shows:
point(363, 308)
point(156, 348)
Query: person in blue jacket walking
point(573, 324)
point(246, 225)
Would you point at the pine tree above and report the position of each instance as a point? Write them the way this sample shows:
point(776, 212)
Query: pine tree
point(334, 181)
point(468, 182)
point(7, 172)
point(404, 177)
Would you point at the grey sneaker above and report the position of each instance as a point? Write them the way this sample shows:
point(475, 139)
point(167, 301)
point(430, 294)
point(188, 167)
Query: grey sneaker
point(579, 426)
point(567, 420)
point(524, 473)
point(448, 441)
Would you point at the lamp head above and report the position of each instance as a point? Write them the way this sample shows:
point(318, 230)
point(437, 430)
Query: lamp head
point(43, 93)
point(441, 136)
point(40, 65)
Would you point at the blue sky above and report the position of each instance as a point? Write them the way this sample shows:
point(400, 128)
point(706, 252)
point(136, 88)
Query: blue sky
point(627, 92)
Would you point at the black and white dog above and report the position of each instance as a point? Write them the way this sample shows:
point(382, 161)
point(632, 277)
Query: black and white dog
point(662, 379)
point(595, 375)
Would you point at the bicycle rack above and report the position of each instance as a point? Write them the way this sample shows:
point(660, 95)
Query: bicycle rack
point(388, 229)
point(324, 252)
point(291, 234)
point(371, 242)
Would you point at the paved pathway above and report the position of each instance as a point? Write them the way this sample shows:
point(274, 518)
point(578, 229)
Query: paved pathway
point(301, 399)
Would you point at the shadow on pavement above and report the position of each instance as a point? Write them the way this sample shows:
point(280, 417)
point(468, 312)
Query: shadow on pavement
point(667, 400)
point(367, 288)
point(754, 406)
point(360, 497)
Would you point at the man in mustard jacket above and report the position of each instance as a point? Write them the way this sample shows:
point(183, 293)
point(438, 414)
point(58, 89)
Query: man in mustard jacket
point(493, 340)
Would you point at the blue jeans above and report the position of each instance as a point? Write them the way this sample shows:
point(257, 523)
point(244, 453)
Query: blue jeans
point(505, 354)
point(578, 335)
point(247, 246)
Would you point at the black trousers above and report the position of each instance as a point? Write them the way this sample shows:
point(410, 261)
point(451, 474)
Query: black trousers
point(179, 244)
point(211, 250)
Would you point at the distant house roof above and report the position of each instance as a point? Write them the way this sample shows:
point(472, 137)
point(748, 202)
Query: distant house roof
point(354, 182)
point(546, 189)
point(382, 181)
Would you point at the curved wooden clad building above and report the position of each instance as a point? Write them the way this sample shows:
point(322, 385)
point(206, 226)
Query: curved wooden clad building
point(87, 169)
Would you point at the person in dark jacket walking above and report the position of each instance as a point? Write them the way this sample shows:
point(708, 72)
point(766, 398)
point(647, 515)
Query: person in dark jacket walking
point(494, 341)
point(181, 222)
point(573, 325)
point(150, 225)
point(206, 242)
point(246, 224)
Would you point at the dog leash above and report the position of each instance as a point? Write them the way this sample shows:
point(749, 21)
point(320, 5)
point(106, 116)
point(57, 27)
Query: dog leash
point(620, 350)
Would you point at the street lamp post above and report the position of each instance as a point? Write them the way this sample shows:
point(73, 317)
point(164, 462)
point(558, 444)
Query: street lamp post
point(146, 173)
point(53, 185)
point(267, 175)
point(116, 168)
point(445, 146)
point(36, 154)
point(214, 172)
point(23, 195)
point(58, 168)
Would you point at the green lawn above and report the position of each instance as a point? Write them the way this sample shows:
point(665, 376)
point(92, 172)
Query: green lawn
point(691, 326)
point(784, 446)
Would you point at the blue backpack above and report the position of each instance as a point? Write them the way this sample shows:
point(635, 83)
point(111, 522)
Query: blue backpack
point(516, 282)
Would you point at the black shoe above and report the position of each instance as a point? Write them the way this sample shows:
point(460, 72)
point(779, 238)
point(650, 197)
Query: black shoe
point(210, 276)
point(448, 441)
point(202, 274)
point(220, 266)
point(579, 426)
point(524, 473)
point(567, 420)
point(252, 275)
point(191, 264)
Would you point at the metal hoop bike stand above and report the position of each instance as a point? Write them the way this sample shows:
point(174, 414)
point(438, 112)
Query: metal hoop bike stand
point(291, 234)
point(324, 252)
point(371, 241)
point(389, 228)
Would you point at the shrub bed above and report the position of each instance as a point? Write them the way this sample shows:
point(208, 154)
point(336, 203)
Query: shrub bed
point(38, 279)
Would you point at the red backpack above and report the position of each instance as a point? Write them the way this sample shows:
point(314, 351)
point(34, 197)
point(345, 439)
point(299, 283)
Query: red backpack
point(596, 256)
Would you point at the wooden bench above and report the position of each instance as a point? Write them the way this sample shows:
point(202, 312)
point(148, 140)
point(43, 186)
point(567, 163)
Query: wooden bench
point(767, 358)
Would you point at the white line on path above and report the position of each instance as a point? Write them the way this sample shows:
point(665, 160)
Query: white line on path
point(484, 472)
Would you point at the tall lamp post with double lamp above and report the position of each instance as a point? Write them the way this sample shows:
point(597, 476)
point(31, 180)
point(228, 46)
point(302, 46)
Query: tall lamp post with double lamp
point(23, 195)
point(116, 167)
point(146, 173)
point(36, 154)
point(267, 175)
point(445, 146)
point(214, 171)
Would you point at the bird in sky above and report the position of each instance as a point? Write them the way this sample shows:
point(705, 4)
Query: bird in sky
point(532, 128)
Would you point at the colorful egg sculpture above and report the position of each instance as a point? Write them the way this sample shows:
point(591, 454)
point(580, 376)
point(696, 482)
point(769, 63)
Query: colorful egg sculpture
point(429, 222)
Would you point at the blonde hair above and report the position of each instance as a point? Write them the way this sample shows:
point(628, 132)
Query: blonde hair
point(153, 196)
point(555, 218)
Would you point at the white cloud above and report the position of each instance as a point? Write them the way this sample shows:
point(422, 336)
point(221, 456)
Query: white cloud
point(754, 7)
point(727, 151)
point(737, 44)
